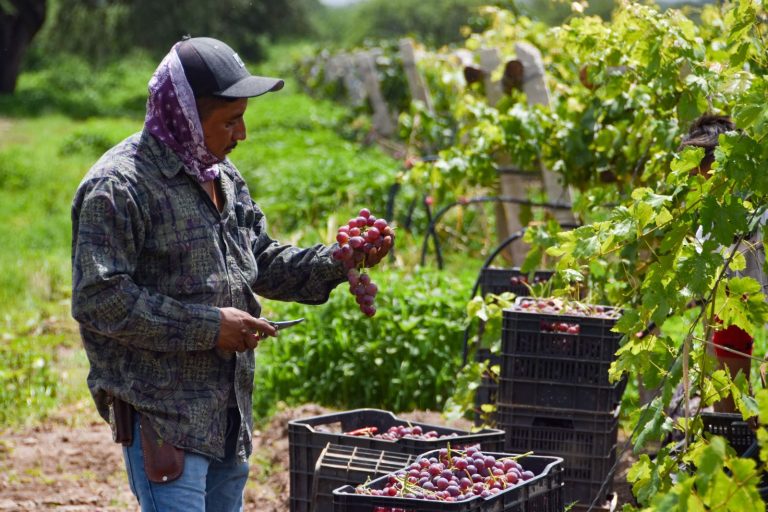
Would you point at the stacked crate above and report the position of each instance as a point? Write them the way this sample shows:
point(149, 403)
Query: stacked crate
point(309, 437)
point(554, 396)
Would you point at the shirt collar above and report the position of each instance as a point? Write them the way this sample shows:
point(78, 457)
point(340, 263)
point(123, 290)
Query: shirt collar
point(171, 163)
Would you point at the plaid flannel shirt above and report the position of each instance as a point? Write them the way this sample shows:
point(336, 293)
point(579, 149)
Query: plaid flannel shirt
point(152, 261)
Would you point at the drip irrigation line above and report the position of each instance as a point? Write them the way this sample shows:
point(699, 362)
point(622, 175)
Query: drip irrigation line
point(475, 200)
point(515, 236)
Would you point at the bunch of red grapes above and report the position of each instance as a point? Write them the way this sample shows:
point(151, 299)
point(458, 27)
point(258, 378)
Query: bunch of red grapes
point(395, 432)
point(361, 237)
point(452, 476)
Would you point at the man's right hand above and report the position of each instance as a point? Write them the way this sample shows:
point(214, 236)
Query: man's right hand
point(240, 331)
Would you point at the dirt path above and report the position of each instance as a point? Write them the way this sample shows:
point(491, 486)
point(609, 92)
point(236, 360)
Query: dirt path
point(78, 468)
point(68, 468)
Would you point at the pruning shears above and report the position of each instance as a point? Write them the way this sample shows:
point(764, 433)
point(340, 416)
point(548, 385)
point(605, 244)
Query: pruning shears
point(285, 323)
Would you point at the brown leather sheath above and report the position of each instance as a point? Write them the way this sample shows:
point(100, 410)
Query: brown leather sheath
point(163, 462)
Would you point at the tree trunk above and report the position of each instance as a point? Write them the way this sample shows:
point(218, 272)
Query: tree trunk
point(17, 28)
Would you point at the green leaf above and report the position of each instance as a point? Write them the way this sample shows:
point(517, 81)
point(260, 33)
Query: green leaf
point(654, 420)
point(688, 159)
point(476, 308)
point(663, 217)
point(761, 396)
point(709, 463)
point(691, 105)
point(723, 220)
point(697, 269)
point(738, 57)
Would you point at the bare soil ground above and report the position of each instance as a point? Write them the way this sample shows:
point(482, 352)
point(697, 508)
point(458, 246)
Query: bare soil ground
point(58, 466)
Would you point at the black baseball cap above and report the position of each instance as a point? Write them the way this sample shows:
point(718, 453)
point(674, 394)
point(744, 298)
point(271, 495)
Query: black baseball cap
point(214, 69)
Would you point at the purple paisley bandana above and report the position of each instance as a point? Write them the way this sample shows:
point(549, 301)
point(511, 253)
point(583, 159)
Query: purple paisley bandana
point(172, 117)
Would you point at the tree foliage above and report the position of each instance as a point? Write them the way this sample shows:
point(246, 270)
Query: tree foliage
point(82, 27)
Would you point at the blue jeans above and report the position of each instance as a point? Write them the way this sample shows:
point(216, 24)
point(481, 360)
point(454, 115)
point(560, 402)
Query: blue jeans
point(206, 485)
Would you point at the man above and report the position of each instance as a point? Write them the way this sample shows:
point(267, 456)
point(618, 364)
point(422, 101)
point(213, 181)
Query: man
point(732, 346)
point(169, 252)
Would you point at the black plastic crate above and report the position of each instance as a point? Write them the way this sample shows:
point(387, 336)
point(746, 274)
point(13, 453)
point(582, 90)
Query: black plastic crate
point(560, 394)
point(308, 437)
point(531, 333)
point(544, 365)
point(730, 426)
point(584, 478)
point(499, 280)
point(542, 493)
point(556, 432)
point(346, 465)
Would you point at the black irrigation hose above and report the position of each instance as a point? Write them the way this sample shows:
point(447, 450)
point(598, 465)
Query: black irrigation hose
point(438, 251)
point(515, 236)
point(482, 199)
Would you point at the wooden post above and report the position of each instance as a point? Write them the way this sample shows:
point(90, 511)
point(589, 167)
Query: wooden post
point(511, 184)
point(535, 89)
point(416, 85)
point(344, 68)
point(383, 123)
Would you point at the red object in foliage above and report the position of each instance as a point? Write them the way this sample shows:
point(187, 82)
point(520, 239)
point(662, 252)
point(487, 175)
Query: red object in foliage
point(734, 338)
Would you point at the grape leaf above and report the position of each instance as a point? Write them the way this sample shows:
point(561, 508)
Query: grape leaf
point(688, 159)
point(654, 422)
point(709, 462)
point(723, 220)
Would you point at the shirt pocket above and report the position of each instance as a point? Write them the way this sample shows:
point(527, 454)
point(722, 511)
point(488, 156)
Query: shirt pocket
point(243, 254)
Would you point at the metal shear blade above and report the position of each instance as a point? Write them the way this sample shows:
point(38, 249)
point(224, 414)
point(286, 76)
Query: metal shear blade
point(286, 323)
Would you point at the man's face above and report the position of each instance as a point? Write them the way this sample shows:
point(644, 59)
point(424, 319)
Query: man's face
point(224, 126)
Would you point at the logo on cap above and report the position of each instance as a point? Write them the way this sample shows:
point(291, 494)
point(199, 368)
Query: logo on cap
point(238, 60)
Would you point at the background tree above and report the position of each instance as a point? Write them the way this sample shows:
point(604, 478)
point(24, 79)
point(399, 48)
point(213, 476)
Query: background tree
point(102, 31)
point(20, 20)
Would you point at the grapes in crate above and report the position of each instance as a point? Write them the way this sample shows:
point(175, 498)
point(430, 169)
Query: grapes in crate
point(396, 432)
point(454, 475)
point(362, 237)
point(558, 306)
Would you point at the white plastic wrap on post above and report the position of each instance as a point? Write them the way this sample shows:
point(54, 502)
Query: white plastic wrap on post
point(416, 85)
point(351, 78)
point(383, 122)
point(508, 214)
point(535, 89)
point(490, 59)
